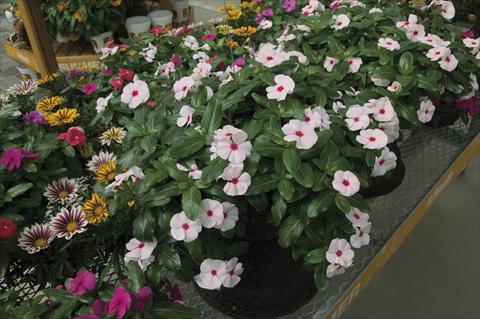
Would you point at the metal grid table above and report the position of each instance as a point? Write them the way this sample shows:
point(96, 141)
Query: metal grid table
point(433, 158)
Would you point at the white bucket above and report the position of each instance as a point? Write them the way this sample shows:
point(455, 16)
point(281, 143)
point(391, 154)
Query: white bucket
point(138, 24)
point(181, 11)
point(98, 41)
point(161, 18)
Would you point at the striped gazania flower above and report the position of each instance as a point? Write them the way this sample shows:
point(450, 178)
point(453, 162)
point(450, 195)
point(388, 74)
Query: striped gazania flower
point(97, 160)
point(23, 88)
point(62, 191)
point(36, 238)
point(69, 222)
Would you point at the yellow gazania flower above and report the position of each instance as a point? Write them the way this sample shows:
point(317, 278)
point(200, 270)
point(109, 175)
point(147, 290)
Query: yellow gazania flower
point(115, 3)
point(232, 44)
point(224, 29)
point(132, 52)
point(131, 203)
point(245, 31)
point(106, 172)
point(247, 4)
point(49, 103)
point(62, 117)
point(226, 7)
point(114, 134)
point(45, 79)
point(95, 209)
point(78, 16)
point(61, 6)
point(233, 14)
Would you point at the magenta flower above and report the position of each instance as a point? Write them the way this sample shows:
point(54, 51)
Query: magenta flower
point(289, 5)
point(120, 302)
point(89, 88)
point(140, 298)
point(99, 307)
point(209, 37)
point(107, 71)
point(176, 60)
point(471, 105)
point(35, 117)
point(83, 283)
point(12, 157)
point(239, 61)
point(173, 291)
point(468, 34)
point(152, 103)
point(87, 316)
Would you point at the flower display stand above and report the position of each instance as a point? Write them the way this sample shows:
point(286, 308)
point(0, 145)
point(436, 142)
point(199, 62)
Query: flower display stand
point(433, 159)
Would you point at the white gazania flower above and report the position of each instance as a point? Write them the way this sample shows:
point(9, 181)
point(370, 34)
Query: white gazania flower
point(299, 55)
point(284, 86)
point(434, 40)
point(340, 253)
point(113, 134)
point(201, 70)
point(193, 171)
point(346, 183)
point(391, 128)
point(354, 64)
point(36, 237)
point(395, 87)
point(361, 237)
point(357, 118)
point(182, 87)
point(63, 191)
point(334, 270)
point(341, 21)
point(449, 63)
point(329, 63)
point(225, 133)
point(182, 228)
point(236, 149)
point(237, 182)
point(140, 252)
point(373, 139)
point(135, 93)
point(358, 218)
point(411, 22)
point(190, 42)
point(269, 55)
point(416, 33)
point(383, 110)
point(69, 222)
point(23, 88)
point(107, 51)
point(230, 217)
point(99, 159)
point(437, 53)
point(337, 106)
point(375, 10)
point(149, 53)
point(425, 113)
point(265, 24)
point(211, 273)
point(211, 213)
point(380, 82)
point(301, 133)
point(102, 103)
point(384, 163)
point(389, 44)
point(233, 270)
point(185, 116)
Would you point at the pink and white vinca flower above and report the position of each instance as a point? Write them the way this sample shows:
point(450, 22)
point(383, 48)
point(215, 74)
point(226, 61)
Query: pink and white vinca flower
point(317, 118)
point(361, 237)
point(284, 85)
point(135, 93)
point(140, 252)
point(233, 270)
point(425, 113)
point(102, 103)
point(389, 44)
point(372, 139)
point(334, 270)
point(473, 44)
point(211, 274)
point(211, 213)
point(269, 55)
point(340, 253)
point(230, 217)
point(437, 53)
point(329, 63)
point(354, 64)
point(237, 182)
point(346, 183)
point(415, 33)
point(384, 163)
point(358, 218)
point(383, 110)
point(301, 133)
point(394, 87)
point(357, 118)
point(235, 148)
point(182, 228)
point(391, 128)
point(191, 42)
point(341, 21)
point(448, 63)
point(405, 25)
point(185, 116)
point(135, 173)
point(448, 9)
point(182, 87)
point(434, 41)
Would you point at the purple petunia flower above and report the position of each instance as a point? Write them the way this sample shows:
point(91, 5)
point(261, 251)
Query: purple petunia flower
point(35, 117)
point(289, 5)
point(12, 157)
point(89, 88)
point(239, 61)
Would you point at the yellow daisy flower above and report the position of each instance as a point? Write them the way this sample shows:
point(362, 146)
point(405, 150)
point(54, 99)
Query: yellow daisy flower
point(247, 4)
point(49, 103)
point(106, 172)
point(226, 7)
point(233, 14)
point(45, 79)
point(245, 31)
point(78, 16)
point(132, 52)
point(115, 3)
point(224, 29)
point(95, 209)
point(61, 6)
point(232, 44)
point(114, 134)
point(62, 117)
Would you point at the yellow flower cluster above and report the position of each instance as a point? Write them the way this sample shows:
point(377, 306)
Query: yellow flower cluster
point(233, 14)
point(227, 7)
point(232, 44)
point(245, 31)
point(61, 117)
point(224, 29)
point(247, 4)
point(95, 209)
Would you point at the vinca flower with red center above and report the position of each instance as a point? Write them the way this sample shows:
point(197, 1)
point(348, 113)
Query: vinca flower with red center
point(357, 118)
point(135, 94)
point(434, 41)
point(237, 182)
point(140, 252)
point(211, 213)
point(36, 238)
point(425, 113)
point(185, 116)
point(69, 222)
point(235, 149)
point(182, 228)
point(230, 217)
point(358, 218)
point(284, 86)
point(361, 237)
point(437, 53)
point(269, 55)
point(211, 273)
point(182, 87)
point(372, 139)
point(329, 63)
point(301, 133)
point(383, 110)
point(448, 63)
point(192, 170)
point(233, 270)
point(341, 21)
point(384, 163)
point(346, 183)
point(389, 44)
point(354, 64)
point(340, 253)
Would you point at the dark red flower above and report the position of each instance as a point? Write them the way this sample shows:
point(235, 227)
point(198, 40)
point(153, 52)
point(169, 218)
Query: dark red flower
point(126, 75)
point(157, 30)
point(220, 66)
point(8, 229)
point(74, 136)
point(116, 82)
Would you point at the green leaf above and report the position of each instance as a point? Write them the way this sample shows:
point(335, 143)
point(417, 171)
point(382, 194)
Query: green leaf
point(279, 208)
point(427, 83)
point(320, 97)
point(405, 64)
point(311, 54)
point(65, 310)
point(268, 149)
point(290, 229)
point(304, 175)
point(136, 278)
point(212, 118)
point(18, 190)
point(407, 112)
point(315, 256)
point(187, 145)
point(262, 184)
point(149, 144)
point(169, 258)
point(168, 310)
point(199, 98)
point(4, 261)
point(191, 202)
point(69, 151)
point(144, 226)
point(291, 160)
point(342, 203)
point(370, 158)
point(286, 189)
point(153, 274)
point(321, 280)
point(59, 295)
point(213, 170)
point(320, 204)
point(329, 155)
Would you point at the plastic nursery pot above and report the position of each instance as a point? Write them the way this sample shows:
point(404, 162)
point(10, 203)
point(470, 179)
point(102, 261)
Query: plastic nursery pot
point(138, 24)
point(98, 41)
point(272, 284)
point(384, 185)
point(161, 18)
point(27, 73)
point(442, 119)
point(181, 11)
